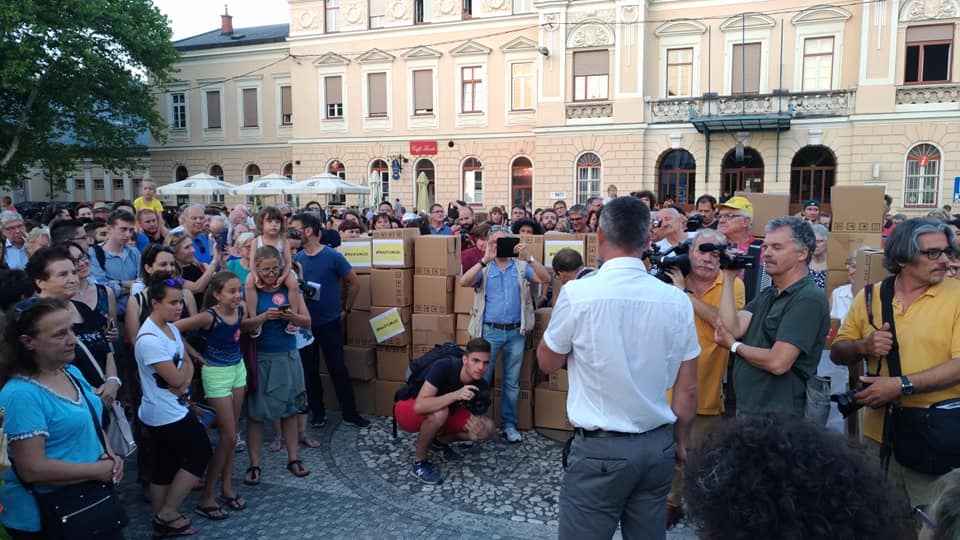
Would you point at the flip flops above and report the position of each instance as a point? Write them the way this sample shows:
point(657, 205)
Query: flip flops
point(213, 513)
point(297, 468)
point(234, 503)
point(252, 476)
point(164, 529)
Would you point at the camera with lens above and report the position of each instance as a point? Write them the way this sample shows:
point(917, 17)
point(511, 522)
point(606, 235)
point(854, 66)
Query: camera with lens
point(847, 401)
point(675, 257)
point(694, 223)
point(481, 401)
point(729, 261)
point(309, 289)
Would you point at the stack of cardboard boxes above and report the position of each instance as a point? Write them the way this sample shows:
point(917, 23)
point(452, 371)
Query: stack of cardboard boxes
point(857, 222)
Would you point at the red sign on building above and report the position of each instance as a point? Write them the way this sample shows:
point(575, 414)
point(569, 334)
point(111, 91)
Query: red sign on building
point(423, 148)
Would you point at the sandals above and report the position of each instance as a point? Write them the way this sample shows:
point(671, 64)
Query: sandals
point(252, 476)
point(235, 503)
point(297, 468)
point(165, 529)
point(308, 441)
point(213, 513)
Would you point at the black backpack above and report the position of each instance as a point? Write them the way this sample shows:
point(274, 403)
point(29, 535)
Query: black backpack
point(417, 373)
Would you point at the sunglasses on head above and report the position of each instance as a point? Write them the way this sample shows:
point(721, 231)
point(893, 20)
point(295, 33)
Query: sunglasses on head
point(174, 282)
point(23, 306)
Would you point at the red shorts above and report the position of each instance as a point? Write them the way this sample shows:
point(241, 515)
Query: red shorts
point(410, 421)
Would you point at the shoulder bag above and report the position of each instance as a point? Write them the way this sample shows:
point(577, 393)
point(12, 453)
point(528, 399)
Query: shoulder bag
point(119, 432)
point(83, 511)
point(924, 439)
point(816, 407)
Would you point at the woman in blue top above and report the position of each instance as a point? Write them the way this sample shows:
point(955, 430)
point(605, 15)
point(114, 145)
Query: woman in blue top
point(280, 392)
point(224, 382)
point(53, 439)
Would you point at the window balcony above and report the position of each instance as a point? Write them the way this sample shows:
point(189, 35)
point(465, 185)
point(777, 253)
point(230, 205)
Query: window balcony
point(928, 94)
point(589, 109)
point(804, 104)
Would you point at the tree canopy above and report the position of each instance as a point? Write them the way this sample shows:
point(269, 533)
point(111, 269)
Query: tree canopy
point(78, 79)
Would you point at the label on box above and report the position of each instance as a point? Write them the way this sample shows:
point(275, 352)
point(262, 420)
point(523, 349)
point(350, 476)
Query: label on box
point(387, 325)
point(388, 252)
point(356, 253)
point(551, 247)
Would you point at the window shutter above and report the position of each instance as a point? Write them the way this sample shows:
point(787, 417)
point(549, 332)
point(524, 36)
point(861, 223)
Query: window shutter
point(423, 90)
point(213, 110)
point(286, 104)
point(378, 93)
point(334, 92)
point(250, 107)
point(930, 32)
point(745, 74)
point(591, 63)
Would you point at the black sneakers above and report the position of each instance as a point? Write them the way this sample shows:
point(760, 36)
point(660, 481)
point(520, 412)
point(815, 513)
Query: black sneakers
point(355, 419)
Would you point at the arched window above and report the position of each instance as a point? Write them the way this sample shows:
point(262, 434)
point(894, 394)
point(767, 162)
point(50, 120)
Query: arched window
point(742, 172)
point(380, 173)
point(251, 173)
point(589, 176)
point(521, 181)
point(216, 171)
point(473, 181)
point(921, 181)
point(181, 173)
point(288, 171)
point(425, 167)
point(336, 167)
point(812, 174)
point(677, 178)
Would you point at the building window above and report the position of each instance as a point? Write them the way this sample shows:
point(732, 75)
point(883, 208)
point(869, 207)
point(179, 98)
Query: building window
point(79, 183)
point(288, 171)
point(472, 86)
point(521, 86)
point(812, 174)
point(521, 181)
point(467, 9)
point(591, 71)
point(336, 168)
point(817, 64)
point(216, 171)
point(421, 11)
point(522, 6)
point(181, 173)
point(680, 72)
point(118, 184)
point(377, 11)
point(381, 175)
point(333, 93)
point(179, 103)
point(922, 180)
point(927, 58)
point(98, 183)
point(251, 173)
point(589, 175)
point(742, 170)
point(213, 110)
point(745, 75)
point(423, 92)
point(473, 181)
point(250, 119)
point(677, 178)
point(377, 95)
point(286, 106)
point(331, 21)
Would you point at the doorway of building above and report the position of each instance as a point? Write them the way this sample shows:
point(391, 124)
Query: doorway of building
point(521, 182)
point(742, 173)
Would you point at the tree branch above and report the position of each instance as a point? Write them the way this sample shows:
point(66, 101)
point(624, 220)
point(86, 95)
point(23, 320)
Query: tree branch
point(24, 120)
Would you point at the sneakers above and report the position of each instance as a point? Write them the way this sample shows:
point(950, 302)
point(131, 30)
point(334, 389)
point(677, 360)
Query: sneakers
point(512, 435)
point(241, 444)
point(426, 472)
point(449, 452)
point(355, 419)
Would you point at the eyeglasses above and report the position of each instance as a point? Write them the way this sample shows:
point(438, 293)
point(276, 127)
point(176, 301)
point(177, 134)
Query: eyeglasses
point(272, 270)
point(294, 234)
point(174, 282)
point(80, 238)
point(723, 217)
point(82, 259)
point(437, 211)
point(24, 306)
point(935, 253)
point(921, 513)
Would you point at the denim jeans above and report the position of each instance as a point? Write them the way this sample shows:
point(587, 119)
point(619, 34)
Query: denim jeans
point(511, 342)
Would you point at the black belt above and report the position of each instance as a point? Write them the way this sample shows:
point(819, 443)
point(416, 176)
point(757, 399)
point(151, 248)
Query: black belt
point(498, 326)
point(602, 433)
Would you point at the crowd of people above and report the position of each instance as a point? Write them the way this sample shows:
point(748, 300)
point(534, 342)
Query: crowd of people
point(229, 312)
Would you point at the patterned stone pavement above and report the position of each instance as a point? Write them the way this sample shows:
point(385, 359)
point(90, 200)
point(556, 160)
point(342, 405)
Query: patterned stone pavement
point(360, 487)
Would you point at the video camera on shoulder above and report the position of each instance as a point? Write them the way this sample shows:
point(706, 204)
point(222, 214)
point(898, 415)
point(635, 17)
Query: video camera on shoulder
point(728, 261)
point(678, 257)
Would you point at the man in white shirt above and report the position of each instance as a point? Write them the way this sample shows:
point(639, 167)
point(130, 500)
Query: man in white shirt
point(15, 236)
point(673, 228)
point(626, 338)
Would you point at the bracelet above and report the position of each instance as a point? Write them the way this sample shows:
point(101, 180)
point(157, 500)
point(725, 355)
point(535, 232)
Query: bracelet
point(115, 379)
point(736, 345)
point(482, 264)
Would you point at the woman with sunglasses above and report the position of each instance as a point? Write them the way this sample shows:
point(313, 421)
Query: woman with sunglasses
point(97, 297)
point(196, 276)
point(178, 442)
point(53, 437)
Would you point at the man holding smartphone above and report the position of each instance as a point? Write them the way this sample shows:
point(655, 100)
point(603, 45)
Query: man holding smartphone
point(503, 311)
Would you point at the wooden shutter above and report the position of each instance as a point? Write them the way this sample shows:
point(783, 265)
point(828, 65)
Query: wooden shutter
point(591, 63)
point(250, 108)
point(213, 109)
point(377, 89)
point(745, 74)
point(423, 90)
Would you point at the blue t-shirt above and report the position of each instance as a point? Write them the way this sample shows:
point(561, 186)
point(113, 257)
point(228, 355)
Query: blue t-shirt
point(34, 410)
point(223, 340)
point(326, 269)
point(274, 337)
point(201, 248)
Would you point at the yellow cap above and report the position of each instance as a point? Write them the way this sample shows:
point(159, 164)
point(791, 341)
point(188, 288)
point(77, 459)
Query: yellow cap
point(738, 203)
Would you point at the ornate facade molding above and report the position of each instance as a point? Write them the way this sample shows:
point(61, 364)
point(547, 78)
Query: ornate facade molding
point(748, 21)
point(422, 52)
point(819, 14)
point(375, 56)
point(680, 27)
point(331, 59)
point(470, 48)
point(590, 34)
point(923, 10)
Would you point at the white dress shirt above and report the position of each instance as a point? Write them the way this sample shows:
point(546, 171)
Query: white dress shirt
point(840, 300)
point(626, 334)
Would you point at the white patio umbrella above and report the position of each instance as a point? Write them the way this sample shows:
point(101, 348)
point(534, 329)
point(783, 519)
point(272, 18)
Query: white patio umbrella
point(271, 184)
point(198, 184)
point(324, 184)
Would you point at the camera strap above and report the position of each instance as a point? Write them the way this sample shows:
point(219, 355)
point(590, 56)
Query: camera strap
point(893, 366)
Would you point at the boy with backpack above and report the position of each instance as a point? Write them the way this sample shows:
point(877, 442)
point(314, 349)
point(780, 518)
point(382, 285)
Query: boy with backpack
point(445, 400)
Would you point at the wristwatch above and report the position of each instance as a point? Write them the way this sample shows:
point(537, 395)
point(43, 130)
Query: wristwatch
point(734, 346)
point(530, 258)
point(482, 264)
point(906, 386)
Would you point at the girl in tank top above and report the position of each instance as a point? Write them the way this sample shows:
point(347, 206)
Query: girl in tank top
point(272, 228)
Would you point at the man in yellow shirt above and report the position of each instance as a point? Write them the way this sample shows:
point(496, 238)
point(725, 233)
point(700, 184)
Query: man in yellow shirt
point(926, 319)
point(148, 198)
point(703, 285)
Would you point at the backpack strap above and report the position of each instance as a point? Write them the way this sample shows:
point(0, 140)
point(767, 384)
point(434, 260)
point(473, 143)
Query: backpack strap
point(101, 256)
point(893, 366)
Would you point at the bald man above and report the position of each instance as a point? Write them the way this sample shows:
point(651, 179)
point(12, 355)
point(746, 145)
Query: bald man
point(673, 228)
point(148, 198)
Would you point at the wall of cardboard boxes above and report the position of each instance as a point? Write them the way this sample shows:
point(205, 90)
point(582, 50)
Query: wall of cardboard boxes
point(419, 277)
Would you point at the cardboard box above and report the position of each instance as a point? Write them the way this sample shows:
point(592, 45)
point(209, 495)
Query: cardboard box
point(463, 321)
point(857, 209)
point(421, 349)
point(394, 248)
point(365, 394)
point(391, 287)
point(559, 380)
point(766, 206)
point(437, 255)
point(591, 250)
point(361, 362)
point(433, 329)
point(841, 244)
point(524, 408)
point(362, 302)
point(359, 254)
point(534, 244)
point(433, 294)
point(392, 363)
point(401, 340)
point(463, 299)
point(554, 242)
point(462, 337)
point(359, 332)
point(384, 397)
point(542, 319)
point(869, 269)
point(550, 408)
point(527, 369)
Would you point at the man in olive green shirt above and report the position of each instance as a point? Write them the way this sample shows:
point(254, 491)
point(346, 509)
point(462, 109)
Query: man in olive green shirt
point(782, 330)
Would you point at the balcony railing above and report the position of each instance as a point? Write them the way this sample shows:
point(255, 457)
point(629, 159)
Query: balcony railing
point(590, 109)
point(928, 94)
point(805, 105)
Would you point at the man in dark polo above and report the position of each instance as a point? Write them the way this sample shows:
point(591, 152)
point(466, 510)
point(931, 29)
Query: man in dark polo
point(778, 336)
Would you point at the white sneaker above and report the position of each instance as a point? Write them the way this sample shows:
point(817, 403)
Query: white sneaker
point(512, 435)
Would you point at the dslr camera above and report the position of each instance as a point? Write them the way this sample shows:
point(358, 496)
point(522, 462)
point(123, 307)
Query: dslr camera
point(309, 289)
point(675, 257)
point(847, 401)
point(481, 401)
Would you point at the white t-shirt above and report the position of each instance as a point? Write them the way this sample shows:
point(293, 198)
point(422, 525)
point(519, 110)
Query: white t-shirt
point(840, 301)
point(159, 406)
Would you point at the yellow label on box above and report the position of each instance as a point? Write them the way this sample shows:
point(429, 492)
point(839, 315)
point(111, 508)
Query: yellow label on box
point(387, 325)
point(356, 253)
point(387, 252)
point(551, 247)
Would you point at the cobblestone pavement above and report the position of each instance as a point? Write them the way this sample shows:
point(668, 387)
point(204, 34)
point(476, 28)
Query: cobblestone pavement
point(360, 487)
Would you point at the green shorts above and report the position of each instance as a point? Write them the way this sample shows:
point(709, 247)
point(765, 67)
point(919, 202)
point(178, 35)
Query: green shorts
point(219, 381)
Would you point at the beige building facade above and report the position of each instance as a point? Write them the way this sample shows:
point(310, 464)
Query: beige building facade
point(501, 102)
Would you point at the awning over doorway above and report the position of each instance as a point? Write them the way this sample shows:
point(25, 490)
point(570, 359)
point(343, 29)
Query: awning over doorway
point(749, 122)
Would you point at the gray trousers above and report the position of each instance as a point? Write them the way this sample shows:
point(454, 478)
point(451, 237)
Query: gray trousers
point(615, 480)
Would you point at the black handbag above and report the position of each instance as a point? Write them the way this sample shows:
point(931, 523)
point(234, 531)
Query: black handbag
point(924, 439)
point(83, 511)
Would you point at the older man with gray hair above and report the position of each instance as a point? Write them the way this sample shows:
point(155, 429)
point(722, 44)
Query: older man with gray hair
point(778, 337)
point(15, 236)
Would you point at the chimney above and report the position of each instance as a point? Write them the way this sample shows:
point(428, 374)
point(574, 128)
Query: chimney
point(226, 22)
